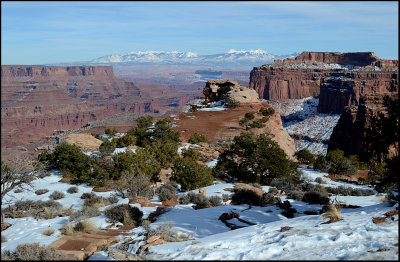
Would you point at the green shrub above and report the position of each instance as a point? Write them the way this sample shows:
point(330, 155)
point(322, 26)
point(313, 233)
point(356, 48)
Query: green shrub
point(267, 111)
point(33, 251)
point(264, 119)
point(257, 124)
point(111, 131)
point(322, 164)
point(197, 138)
point(56, 195)
point(339, 163)
point(190, 174)
point(117, 213)
point(165, 152)
point(124, 141)
point(41, 191)
point(107, 147)
point(261, 160)
point(72, 190)
point(249, 116)
point(304, 156)
point(70, 160)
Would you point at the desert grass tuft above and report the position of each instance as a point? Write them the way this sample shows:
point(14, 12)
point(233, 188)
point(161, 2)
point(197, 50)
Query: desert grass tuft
point(86, 226)
point(48, 232)
point(67, 229)
point(333, 214)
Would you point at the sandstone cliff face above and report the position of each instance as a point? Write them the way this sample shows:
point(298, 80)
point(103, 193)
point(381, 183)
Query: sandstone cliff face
point(338, 79)
point(35, 100)
point(349, 133)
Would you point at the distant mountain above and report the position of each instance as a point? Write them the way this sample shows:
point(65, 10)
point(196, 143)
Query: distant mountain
point(238, 58)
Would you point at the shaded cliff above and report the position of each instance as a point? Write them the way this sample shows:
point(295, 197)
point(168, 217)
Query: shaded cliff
point(349, 133)
point(338, 79)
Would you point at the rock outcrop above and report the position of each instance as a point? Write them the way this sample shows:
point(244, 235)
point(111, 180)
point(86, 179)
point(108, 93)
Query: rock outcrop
point(230, 91)
point(338, 79)
point(223, 126)
point(349, 133)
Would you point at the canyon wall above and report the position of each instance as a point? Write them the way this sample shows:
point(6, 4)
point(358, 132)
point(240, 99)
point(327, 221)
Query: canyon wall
point(338, 79)
point(36, 100)
point(349, 133)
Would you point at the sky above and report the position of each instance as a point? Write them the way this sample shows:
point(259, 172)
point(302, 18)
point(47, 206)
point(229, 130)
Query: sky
point(38, 32)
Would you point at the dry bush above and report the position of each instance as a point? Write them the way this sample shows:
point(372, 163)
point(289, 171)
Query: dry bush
point(67, 229)
point(18, 190)
point(96, 201)
point(164, 229)
point(3, 239)
point(84, 212)
point(245, 196)
point(88, 195)
point(113, 199)
point(48, 232)
point(72, 190)
point(225, 197)
point(318, 180)
point(118, 214)
point(29, 208)
point(333, 214)
point(167, 191)
point(268, 199)
point(86, 226)
point(33, 251)
point(215, 201)
point(184, 199)
point(41, 191)
point(273, 190)
point(296, 195)
point(57, 195)
point(316, 198)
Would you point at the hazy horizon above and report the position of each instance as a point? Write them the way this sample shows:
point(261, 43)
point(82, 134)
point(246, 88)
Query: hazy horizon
point(62, 32)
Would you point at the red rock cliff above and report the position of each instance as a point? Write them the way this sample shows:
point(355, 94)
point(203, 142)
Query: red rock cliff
point(338, 79)
point(35, 100)
point(349, 133)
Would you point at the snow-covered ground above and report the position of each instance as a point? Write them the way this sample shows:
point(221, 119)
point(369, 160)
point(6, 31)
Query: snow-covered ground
point(352, 238)
point(300, 118)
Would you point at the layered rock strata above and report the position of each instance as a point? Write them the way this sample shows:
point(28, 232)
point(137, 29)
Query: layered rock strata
point(338, 79)
point(35, 100)
point(349, 133)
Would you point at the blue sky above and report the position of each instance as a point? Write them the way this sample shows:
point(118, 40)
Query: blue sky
point(53, 32)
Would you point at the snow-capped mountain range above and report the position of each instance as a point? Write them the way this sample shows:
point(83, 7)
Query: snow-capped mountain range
point(232, 57)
